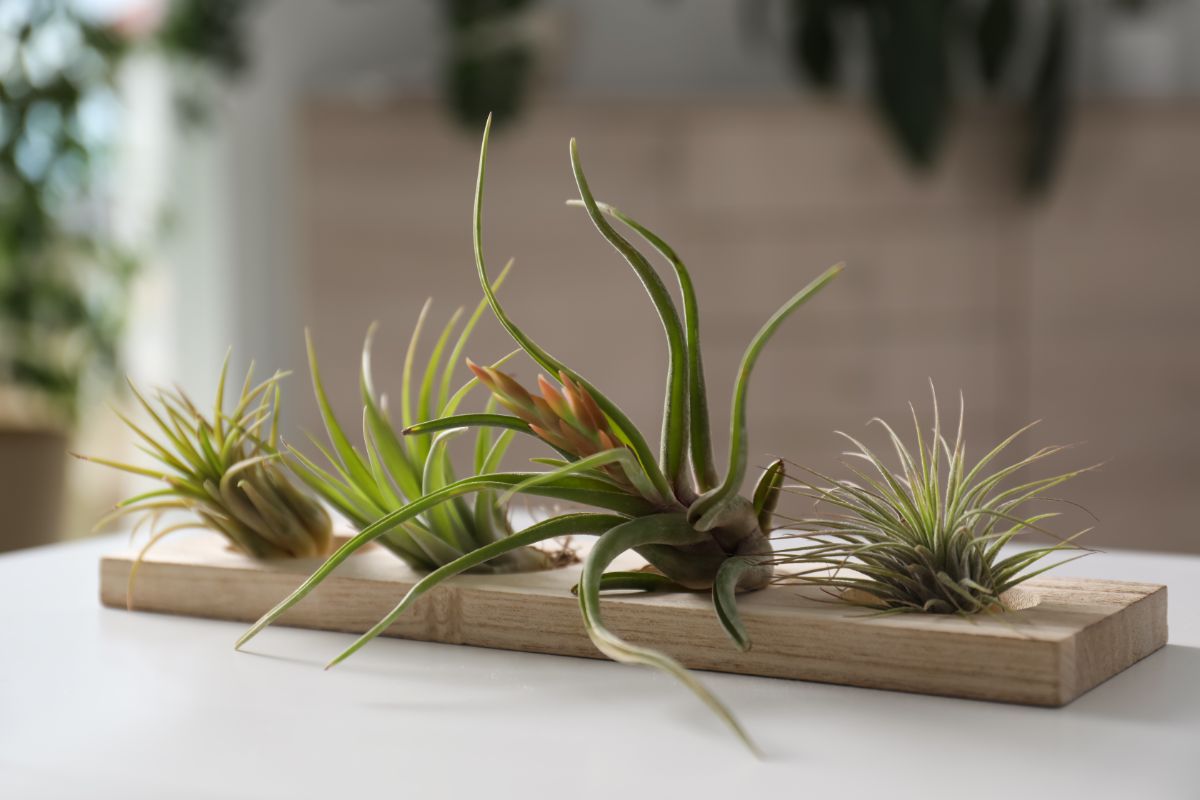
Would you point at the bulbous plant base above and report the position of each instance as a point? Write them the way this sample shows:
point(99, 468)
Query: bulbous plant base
point(695, 566)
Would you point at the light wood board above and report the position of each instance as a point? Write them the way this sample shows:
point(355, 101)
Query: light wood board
point(1080, 632)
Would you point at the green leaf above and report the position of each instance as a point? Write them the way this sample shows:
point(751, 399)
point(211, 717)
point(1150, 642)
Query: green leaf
point(700, 445)
point(181, 444)
point(724, 593)
point(704, 510)
point(766, 493)
point(383, 483)
point(416, 447)
point(568, 524)
point(635, 582)
point(675, 405)
point(661, 529)
point(622, 425)
point(618, 455)
point(569, 489)
point(351, 461)
point(995, 37)
point(391, 451)
point(425, 398)
point(219, 403)
point(492, 461)
point(333, 490)
point(346, 480)
point(442, 521)
point(486, 420)
point(468, 421)
point(456, 354)
point(910, 50)
point(483, 439)
point(1049, 103)
point(816, 43)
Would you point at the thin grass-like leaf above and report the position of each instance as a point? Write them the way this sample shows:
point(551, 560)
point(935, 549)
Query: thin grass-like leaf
point(927, 537)
point(222, 473)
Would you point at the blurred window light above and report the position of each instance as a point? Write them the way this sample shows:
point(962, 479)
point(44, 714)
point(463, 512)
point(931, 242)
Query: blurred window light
point(98, 117)
point(49, 49)
point(14, 14)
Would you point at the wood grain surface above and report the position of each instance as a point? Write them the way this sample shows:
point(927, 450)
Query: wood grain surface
point(1077, 634)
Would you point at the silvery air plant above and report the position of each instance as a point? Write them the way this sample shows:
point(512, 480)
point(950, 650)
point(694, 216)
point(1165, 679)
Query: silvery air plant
point(223, 471)
point(671, 506)
point(930, 534)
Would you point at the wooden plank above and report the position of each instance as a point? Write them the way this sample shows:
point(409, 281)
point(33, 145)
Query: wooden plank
point(1078, 633)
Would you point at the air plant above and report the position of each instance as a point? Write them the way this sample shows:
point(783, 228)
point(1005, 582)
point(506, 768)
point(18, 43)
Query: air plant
point(929, 534)
point(392, 471)
point(224, 471)
point(690, 524)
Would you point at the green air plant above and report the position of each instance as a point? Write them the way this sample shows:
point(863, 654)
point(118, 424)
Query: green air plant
point(392, 471)
point(690, 524)
point(928, 536)
point(225, 471)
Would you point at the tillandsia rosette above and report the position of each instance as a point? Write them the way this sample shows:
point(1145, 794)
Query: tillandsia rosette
point(928, 534)
point(393, 470)
point(672, 508)
point(223, 471)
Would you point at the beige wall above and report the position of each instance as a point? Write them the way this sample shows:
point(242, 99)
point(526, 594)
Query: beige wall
point(1078, 310)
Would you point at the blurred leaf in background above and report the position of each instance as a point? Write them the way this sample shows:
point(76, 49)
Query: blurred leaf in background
point(491, 59)
point(919, 51)
point(205, 33)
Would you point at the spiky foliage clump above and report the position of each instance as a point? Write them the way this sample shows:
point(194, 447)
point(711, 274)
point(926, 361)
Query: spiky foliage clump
point(692, 525)
point(225, 471)
point(393, 470)
point(927, 535)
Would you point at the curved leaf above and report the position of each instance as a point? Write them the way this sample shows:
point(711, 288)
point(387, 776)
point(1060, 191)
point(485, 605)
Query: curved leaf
point(468, 421)
point(766, 493)
point(456, 353)
point(618, 455)
point(724, 593)
point(675, 409)
point(666, 529)
point(621, 423)
point(568, 489)
point(358, 472)
point(705, 510)
point(638, 581)
point(700, 445)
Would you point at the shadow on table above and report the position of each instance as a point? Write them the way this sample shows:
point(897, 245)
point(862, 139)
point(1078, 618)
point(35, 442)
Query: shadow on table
point(1159, 688)
point(307, 661)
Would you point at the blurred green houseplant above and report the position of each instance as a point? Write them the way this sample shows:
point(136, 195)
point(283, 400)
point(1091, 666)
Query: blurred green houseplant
point(61, 282)
point(64, 281)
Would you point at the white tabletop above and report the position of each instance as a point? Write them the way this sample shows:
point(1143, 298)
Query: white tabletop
point(97, 703)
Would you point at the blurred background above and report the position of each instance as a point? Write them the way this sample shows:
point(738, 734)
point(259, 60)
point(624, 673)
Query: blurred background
point(1015, 187)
